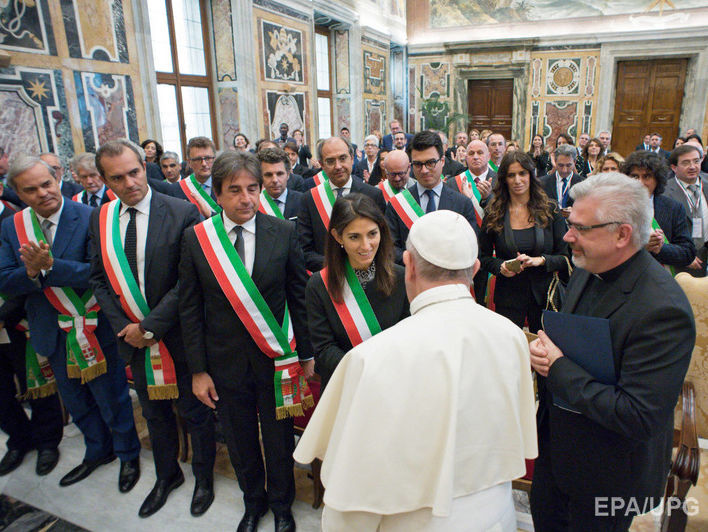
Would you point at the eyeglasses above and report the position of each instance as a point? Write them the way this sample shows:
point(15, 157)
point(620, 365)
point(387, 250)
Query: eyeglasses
point(397, 174)
point(430, 165)
point(207, 159)
point(582, 229)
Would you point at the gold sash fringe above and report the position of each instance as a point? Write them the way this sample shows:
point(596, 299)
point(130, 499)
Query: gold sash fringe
point(160, 392)
point(283, 412)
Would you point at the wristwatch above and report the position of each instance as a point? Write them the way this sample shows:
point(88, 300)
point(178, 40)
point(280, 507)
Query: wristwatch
point(147, 335)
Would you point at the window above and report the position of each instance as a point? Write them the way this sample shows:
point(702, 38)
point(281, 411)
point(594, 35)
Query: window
point(180, 51)
point(324, 83)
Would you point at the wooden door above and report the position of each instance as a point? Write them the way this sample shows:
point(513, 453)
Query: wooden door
point(490, 103)
point(648, 100)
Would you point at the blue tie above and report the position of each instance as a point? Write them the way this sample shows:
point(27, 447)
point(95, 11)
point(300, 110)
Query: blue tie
point(564, 199)
point(431, 201)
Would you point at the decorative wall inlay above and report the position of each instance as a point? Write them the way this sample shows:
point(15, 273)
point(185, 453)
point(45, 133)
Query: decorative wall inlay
point(536, 65)
point(228, 107)
point(286, 108)
point(95, 29)
point(25, 26)
point(341, 65)
point(223, 40)
point(560, 117)
point(343, 113)
point(374, 116)
point(435, 78)
point(590, 76)
point(411, 97)
point(374, 73)
point(563, 77)
point(282, 53)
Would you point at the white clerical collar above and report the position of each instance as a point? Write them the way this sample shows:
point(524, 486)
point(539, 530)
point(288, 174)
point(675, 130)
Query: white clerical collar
point(229, 224)
point(54, 218)
point(438, 294)
point(143, 206)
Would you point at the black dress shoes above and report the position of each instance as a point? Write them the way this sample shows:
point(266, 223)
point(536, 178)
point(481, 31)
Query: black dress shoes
point(84, 469)
point(11, 461)
point(129, 475)
point(249, 521)
point(46, 460)
point(284, 522)
point(157, 498)
point(202, 498)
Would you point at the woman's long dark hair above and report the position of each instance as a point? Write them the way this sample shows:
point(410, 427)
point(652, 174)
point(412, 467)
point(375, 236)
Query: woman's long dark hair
point(540, 207)
point(345, 211)
point(158, 148)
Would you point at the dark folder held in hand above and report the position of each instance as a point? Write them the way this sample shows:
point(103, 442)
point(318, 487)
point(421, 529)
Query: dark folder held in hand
point(584, 340)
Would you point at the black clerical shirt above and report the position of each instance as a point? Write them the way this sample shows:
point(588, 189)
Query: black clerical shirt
point(598, 286)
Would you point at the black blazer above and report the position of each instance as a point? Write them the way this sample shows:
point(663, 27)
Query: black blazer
point(292, 204)
point(215, 338)
point(312, 231)
point(175, 190)
point(621, 443)
point(168, 219)
point(495, 248)
point(541, 162)
point(548, 183)
point(449, 200)
point(104, 199)
point(296, 182)
point(69, 189)
point(491, 176)
point(452, 167)
point(680, 250)
point(329, 338)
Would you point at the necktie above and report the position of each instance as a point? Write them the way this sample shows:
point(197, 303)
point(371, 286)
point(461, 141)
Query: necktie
point(564, 191)
point(238, 244)
point(431, 201)
point(340, 192)
point(93, 201)
point(695, 193)
point(131, 244)
point(47, 230)
point(476, 180)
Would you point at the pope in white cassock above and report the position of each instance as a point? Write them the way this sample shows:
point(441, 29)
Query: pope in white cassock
point(425, 425)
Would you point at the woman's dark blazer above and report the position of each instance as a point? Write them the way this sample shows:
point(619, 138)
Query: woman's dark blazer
point(549, 244)
point(329, 338)
point(542, 163)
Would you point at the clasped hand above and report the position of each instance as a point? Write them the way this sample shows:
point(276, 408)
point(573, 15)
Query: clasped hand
point(543, 353)
point(36, 258)
point(133, 336)
point(526, 262)
point(656, 241)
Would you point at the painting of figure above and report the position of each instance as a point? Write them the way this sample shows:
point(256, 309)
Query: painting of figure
point(285, 108)
point(282, 53)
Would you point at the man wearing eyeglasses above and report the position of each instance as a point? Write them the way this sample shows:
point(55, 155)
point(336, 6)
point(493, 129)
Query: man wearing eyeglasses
point(429, 193)
point(201, 153)
point(607, 460)
point(558, 184)
point(68, 188)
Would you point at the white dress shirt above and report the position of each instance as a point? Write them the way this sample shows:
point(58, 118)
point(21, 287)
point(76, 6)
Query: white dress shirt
point(99, 195)
point(282, 198)
point(54, 218)
point(482, 176)
point(206, 185)
point(347, 188)
point(437, 189)
point(142, 216)
point(249, 239)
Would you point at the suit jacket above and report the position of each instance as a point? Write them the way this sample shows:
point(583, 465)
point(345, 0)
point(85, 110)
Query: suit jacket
point(362, 165)
point(548, 183)
point(329, 338)
point(10, 195)
point(621, 443)
point(104, 199)
point(495, 248)
point(176, 191)
point(642, 147)
point(452, 167)
point(674, 191)
point(312, 231)
point(387, 141)
point(220, 344)
point(449, 200)
point(671, 217)
point(296, 182)
point(71, 269)
point(542, 163)
point(491, 176)
point(169, 217)
point(292, 204)
point(69, 189)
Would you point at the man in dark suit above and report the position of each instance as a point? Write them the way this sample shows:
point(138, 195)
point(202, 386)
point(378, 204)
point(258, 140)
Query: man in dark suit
point(156, 223)
point(101, 406)
point(95, 192)
point(655, 146)
point(426, 154)
point(200, 156)
point(337, 158)
point(387, 140)
point(230, 370)
point(558, 185)
point(600, 466)
point(275, 167)
point(69, 188)
point(645, 145)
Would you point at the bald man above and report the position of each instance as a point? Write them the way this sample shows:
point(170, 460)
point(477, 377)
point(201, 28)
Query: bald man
point(398, 169)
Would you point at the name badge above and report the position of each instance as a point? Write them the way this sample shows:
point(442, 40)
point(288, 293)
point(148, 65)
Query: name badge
point(697, 227)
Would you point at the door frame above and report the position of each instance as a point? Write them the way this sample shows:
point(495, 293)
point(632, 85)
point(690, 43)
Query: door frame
point(693, 107)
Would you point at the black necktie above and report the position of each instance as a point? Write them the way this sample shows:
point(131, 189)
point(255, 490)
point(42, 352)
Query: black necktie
point(564, 192)
point(431, 201)
point(47, 230)
point(238, 244)
point(93, 201)
point(340, 192)
point(131, 244)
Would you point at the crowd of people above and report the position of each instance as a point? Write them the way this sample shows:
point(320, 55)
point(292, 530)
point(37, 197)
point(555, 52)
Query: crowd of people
point(228, 282)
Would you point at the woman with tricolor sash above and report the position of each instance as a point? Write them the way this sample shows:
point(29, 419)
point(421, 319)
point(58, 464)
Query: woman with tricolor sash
point(670, 240)
point(360, 291)
point(521, 241)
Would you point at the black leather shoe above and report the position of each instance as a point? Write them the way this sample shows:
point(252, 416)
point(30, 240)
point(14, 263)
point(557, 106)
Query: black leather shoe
point(46, 460)
point(157, 498)
point(129, 475)
point(249, 521)
point(284, 522)
point(11, 461)
point(84, 469)
point(202, 498)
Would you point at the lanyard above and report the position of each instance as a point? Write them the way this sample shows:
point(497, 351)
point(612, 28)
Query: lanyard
point(694, 205)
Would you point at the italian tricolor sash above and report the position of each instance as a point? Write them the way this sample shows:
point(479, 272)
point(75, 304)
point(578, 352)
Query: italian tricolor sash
point(655, 226)
point(268, 206)
point(320, 177)
point(407, 207)
point(79, 198)
point(159, 366)
point(493, 166)
point(476, 198)
point(78, 316)
point(354, 310)
point(387, 190)
point(197, 195)
point(324, 201)
point(292, 394)
point(40, 377)
point(6, 204)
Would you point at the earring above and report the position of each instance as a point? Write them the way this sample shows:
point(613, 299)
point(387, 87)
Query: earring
point(341, 246)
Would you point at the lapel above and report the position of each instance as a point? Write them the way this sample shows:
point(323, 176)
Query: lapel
point(65, 229)
point(413, 189)
point(623, 286)
point(155, 230)
point(577, 288)
point(266, 238)
point(676, 193)
point(446, 198)
point(509, 241)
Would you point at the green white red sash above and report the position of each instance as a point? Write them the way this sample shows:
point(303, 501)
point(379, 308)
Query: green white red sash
point(320, 177)
point(407, 207)
point(40, 377)
point(655, 225)
point(159, 366)
point(324, 201)
point(387, 190)
point(493, 166)
point(197, 195)
point(292, 394)
point(268, 206)
point(79, 198)
point(6, 204)
point(354, 310)
point(476, 198)
point(78, 316)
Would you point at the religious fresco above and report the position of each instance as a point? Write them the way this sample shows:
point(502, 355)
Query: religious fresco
point(25, 26)
point(223, 40)
point(288, 108)
point(106, 106)
point(374, 116)
point(282, 53)
point(33, 101)
point(455, 13)
point(374, 73)
point(341, 61)
point(228, 107)
point(435, 78)
point(95, 29)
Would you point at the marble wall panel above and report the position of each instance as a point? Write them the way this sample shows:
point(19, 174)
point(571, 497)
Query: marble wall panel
point(228, 111)
point(435, 78)
point(342, 108)
point(223, 40)
point(374, 116)
point(375, 73)
point(286, 108)
point(26, 27)
point(560, 117)
point(95, 29)
point(282, 53)
point(411, 98)
point(341, 61)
